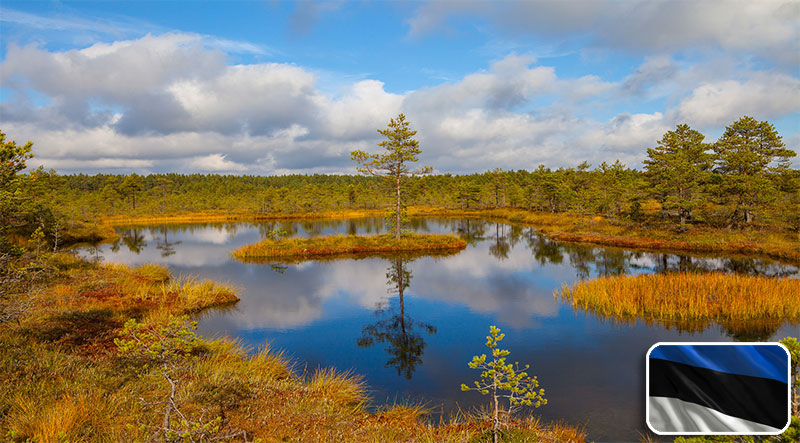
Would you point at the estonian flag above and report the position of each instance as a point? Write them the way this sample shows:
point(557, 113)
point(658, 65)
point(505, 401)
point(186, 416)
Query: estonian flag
point(718, 388)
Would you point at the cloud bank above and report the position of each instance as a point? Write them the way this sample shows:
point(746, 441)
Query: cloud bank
point(174, 101)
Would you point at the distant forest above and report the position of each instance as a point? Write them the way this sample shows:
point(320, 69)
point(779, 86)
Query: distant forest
point(741, 180)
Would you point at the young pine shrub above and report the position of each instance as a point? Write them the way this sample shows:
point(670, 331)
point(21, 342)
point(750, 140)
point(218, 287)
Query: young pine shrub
point(171, 350)
point(504, 381)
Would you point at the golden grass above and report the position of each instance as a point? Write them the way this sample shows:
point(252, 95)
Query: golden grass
point(687, 297)
point(72, 417)
point(343, 388)
point(152, 286)
point(335, 245)
point(211, 216)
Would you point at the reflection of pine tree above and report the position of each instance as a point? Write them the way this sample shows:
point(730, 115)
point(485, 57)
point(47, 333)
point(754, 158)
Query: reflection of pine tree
point(738, 265)
point(167, 248)
point(581, 257)
point(134, 240)
point(544, 250)
point(471, 231)
point(613, 262)
point(398, 330)
point(500, 248)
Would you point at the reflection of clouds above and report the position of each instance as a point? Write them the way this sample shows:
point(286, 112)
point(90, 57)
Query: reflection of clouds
point(477, 263)
point(364, 281)
point(186, 255)
point(278, 313)
point(211, 235)
point(515, 289)
point(516, 297)
point(297, 297)
point(275, 301)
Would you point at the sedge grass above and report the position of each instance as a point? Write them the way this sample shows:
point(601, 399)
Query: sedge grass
point(347, 245)
point(689, 297)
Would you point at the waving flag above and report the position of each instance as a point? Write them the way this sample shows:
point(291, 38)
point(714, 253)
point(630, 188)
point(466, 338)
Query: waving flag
point(718, 388)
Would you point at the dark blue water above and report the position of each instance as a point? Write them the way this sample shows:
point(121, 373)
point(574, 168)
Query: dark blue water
point(348, 313)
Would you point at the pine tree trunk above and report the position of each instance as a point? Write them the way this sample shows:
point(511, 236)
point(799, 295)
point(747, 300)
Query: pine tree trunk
point(496, 407)
point(170, 405)
point(397, 215)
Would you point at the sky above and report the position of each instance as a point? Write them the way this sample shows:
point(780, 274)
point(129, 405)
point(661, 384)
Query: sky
point(272, 87)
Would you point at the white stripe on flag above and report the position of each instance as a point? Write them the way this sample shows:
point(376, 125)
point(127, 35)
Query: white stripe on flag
point(673, 415)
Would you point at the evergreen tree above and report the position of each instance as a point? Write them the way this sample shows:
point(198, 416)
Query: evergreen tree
point(12, 189)
point(678, 170)
point(131, 186)
point(498, 183)
point(749, 155)
point(583, 188)
point(401, 149)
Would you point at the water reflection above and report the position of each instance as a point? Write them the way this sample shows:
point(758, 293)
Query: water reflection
point(318, 312)
point(500, 248)
point(397, 329)
point(132, 238)
point(166, 247)
point(471, 231)
point(589, 260)
point(742, 331)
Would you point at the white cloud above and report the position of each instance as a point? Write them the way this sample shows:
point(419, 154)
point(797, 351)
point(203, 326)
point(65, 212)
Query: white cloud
point(216, 163)
point(720, 103)
point(625, 137)
point(362, 109)
point(100, 163)
point(653, 71)
point(170, 102)
point(510, 82)
point(767, 27)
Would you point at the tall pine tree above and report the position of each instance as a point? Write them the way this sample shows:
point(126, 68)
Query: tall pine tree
point(392, 165)
point(678, 170)
point(749, 155)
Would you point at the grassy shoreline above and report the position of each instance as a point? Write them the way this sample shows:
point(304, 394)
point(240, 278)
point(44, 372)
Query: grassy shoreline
point(688, 297)
point(601, 231)
point(347, 245)
point(565, 227)
point(71, 382)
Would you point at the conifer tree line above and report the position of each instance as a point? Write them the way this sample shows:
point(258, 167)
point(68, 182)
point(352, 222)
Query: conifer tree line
point(741, 180)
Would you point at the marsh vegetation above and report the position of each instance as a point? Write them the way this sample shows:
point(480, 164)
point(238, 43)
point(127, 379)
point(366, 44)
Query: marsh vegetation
point(344, 245)
point(107, 351)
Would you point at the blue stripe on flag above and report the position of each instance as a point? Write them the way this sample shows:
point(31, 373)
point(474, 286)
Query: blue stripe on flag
point(767, 361)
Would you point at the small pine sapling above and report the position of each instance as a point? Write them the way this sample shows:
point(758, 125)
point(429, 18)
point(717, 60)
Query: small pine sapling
point(504, 381)
point(170, 348)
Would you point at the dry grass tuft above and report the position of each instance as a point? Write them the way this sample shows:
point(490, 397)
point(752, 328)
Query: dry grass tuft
point(347, 245)
point(71, 417)
point(687, 297)
point(341, 388)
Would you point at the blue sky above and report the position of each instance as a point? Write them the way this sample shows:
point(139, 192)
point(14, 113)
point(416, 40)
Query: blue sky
point(283, 87)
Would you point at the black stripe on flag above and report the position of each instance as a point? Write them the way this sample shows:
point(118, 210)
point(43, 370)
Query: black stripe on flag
point(762, 400)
